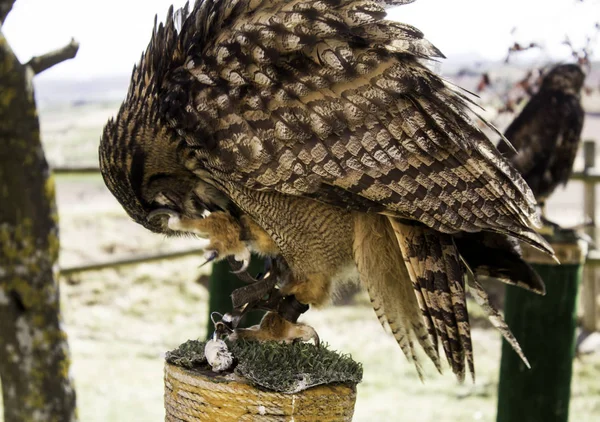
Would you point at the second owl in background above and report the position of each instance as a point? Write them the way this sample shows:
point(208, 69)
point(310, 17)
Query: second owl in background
point(547, 132)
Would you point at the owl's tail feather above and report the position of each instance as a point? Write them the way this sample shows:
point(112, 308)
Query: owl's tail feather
point(495, 317)
point(498, 256)
point(388, 283)
point(434, 266)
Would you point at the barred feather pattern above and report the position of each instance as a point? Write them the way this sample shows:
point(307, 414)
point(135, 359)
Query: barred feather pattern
point(291, 110)
point(437, 276)
point(491, 255)
point(495, 317)
point(300, 94)
point(377, 254)
point(294, 95)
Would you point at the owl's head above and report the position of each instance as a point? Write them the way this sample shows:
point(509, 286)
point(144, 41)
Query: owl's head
point(566, 77)
point(144, 166)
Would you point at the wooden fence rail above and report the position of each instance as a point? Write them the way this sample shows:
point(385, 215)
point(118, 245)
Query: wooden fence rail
point(76, 170)
point(66, 271)
point(590, 176)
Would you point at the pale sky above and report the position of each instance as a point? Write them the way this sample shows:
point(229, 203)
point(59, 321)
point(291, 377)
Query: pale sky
point(113, 33)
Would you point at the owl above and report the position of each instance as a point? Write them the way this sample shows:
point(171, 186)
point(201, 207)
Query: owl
point(314, 133)
point(547, 133)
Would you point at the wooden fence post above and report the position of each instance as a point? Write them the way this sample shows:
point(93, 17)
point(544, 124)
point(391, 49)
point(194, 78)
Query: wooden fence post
point(589, 291)
point(545, 328)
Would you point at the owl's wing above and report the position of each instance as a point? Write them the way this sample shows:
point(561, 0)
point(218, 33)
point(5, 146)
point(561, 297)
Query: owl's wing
point(327, 99)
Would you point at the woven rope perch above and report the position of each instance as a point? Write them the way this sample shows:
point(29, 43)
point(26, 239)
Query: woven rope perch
point(325, 392)
point(199, 395)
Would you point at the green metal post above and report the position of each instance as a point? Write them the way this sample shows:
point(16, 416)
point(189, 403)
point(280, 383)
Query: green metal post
point(221, 283)
point(545, 328)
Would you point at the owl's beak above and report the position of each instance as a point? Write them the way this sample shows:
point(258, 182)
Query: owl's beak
point(160, 218)
point(161, 212)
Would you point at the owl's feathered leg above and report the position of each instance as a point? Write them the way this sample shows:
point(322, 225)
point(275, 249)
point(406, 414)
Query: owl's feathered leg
point(228, 236)
point(223, 231)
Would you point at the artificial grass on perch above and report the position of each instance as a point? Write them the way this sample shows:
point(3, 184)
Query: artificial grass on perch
point(267, 381)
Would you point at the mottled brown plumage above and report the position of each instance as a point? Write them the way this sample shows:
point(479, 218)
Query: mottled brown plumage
point(547, 132)
point(316, 126)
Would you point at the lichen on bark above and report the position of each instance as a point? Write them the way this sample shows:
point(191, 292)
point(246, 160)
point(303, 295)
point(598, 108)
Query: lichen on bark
point(34, 354)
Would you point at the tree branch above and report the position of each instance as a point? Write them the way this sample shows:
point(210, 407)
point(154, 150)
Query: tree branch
point(40, 63)
point(5, 7)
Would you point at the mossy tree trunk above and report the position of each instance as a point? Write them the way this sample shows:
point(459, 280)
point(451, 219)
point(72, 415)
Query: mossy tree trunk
point(34, 354)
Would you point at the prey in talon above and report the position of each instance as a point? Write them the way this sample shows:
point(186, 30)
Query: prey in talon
point(233, 235)
point(280, 322)
point(315, 133)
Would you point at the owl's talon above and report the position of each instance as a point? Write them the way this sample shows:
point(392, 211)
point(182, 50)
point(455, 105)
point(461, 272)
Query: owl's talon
point(268, 267)
point(244, 267)
point(210, 256)
point(244, 257)
point(316, 339)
